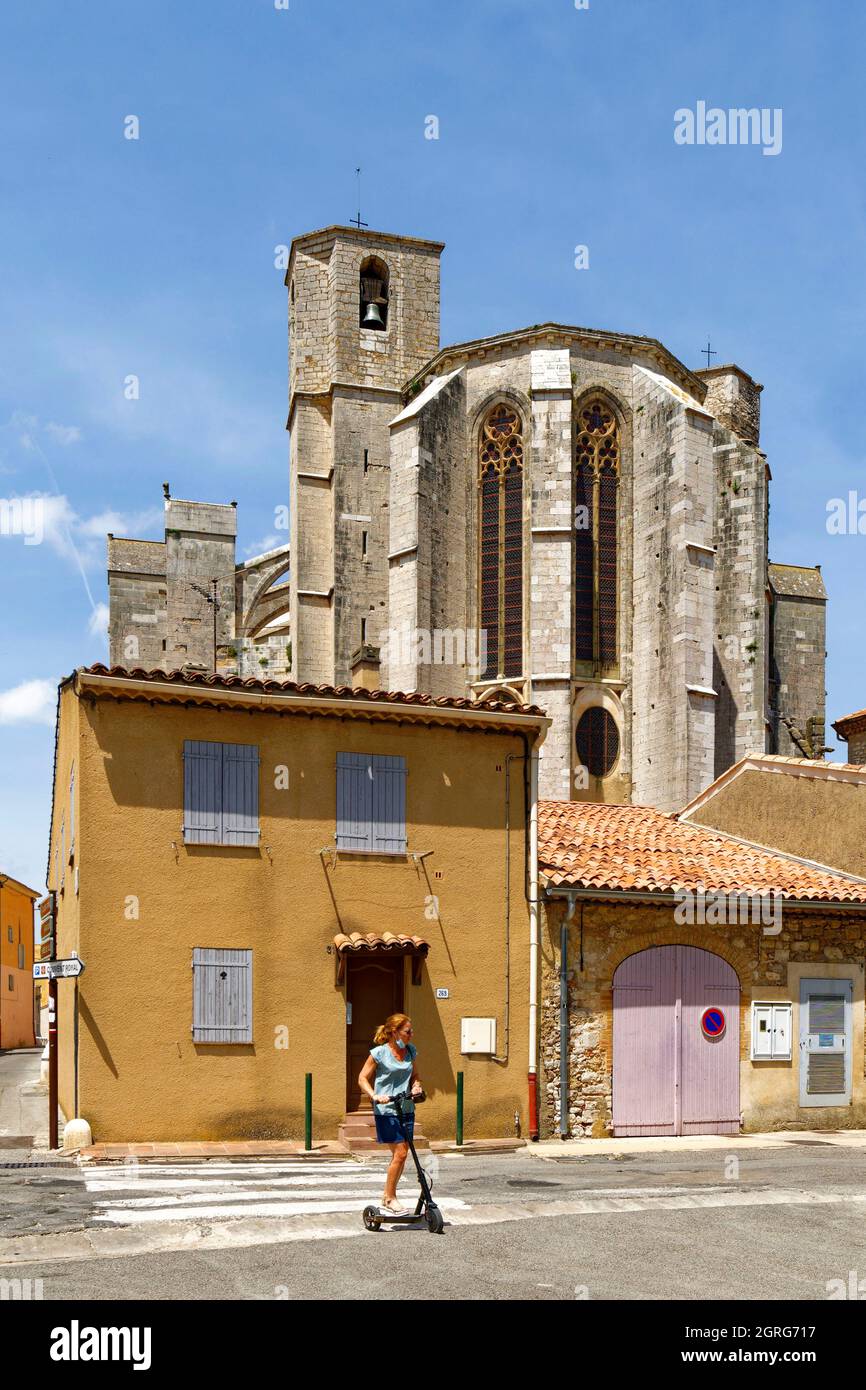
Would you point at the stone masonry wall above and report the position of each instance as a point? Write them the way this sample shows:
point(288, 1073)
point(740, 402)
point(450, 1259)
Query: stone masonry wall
point(361, 442)
point(673, 598)
point(611, 932)
point(345, 384)
point(740, 662)
point(199, 547)
point(799, 649)
point(137, 603)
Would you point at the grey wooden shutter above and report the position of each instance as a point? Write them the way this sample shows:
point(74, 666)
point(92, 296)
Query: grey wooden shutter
point(389, 804)
point(202, 792)
point(72, 811)
point(240, 794)
point(354, 801)
point(222, 1009)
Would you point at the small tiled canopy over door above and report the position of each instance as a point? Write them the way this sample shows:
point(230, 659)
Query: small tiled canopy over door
point(825, 1042)
point(668, 1076)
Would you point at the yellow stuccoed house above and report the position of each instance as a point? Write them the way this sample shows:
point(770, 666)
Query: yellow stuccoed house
point(255, 875)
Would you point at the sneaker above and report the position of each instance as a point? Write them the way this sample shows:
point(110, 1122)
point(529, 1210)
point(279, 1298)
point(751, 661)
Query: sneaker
point(393, 1207)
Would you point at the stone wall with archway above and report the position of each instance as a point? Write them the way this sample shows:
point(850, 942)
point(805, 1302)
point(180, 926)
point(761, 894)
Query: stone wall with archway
point(767, 964)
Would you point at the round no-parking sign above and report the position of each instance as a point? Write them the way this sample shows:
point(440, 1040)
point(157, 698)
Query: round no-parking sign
point(712, 1023)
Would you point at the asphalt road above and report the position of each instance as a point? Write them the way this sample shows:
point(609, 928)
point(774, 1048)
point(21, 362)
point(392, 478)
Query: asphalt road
point(783, 1225)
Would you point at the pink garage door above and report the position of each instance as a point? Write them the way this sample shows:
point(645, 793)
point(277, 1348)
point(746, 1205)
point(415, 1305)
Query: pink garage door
point(668, 1076)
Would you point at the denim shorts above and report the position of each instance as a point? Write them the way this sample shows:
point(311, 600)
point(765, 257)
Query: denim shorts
point(390, 1131)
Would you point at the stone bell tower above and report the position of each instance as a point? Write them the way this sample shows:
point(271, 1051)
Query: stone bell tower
point(363, 319)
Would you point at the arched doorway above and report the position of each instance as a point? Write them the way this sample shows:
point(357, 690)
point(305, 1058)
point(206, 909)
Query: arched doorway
point(676, 1071)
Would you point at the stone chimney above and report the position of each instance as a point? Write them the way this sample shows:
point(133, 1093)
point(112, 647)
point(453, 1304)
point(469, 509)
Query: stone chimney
point(735, 400)
point(364, 667)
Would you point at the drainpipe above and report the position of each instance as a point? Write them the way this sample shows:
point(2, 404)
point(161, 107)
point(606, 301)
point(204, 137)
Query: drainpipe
point(568, 918)
point(533, 946)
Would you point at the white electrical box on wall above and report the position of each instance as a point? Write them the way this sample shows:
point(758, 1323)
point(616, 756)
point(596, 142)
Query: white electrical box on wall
point(478, 1035)
point(771, 1032)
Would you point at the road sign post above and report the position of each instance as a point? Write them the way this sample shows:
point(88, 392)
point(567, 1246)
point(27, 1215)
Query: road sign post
point(53, 970)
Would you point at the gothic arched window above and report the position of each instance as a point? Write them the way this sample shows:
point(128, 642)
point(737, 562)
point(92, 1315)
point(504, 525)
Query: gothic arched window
point(596, 479)
point(500, 507)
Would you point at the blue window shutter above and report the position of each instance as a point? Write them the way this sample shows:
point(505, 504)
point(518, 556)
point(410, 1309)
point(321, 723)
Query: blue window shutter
point(240, 794)
point(389, 805)
point(222, 1010)
point(202, 792)
point(354, 801)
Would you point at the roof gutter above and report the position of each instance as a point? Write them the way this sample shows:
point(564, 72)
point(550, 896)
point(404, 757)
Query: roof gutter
point(199, 694)
point(631, 895)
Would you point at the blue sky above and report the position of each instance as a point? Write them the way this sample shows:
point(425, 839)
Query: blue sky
point(155, 257)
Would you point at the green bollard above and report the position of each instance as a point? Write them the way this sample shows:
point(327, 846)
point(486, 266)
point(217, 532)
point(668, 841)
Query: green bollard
point(459, 1107)
point(308, 1110)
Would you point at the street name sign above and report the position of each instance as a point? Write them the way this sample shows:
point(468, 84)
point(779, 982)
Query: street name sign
point(58, 969)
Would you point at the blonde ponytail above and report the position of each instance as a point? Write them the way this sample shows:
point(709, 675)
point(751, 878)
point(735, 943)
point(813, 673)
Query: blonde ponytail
point(386, 1031)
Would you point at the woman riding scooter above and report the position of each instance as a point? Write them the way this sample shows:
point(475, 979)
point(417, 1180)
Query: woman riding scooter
point(390, 1071)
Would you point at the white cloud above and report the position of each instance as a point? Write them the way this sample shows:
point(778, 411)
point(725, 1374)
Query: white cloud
point(266, 543)
point(63, 434)
point(98, 624)
point(32, 702)
point(79, 538)
point(26, 430)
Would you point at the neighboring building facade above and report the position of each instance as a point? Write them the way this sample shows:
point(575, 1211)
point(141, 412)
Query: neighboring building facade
point(17, 1006)
point(852, 730)
point(814, 809)
point(693, 983)
point(581, 498)
point(161, 598)
point(260, 874)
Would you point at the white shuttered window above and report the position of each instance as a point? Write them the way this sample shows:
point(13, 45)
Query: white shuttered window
point(220, 793)
point(371, 803)
point(222, 995)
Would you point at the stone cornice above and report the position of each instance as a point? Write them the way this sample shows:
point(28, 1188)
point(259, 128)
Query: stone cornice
point(627, 343)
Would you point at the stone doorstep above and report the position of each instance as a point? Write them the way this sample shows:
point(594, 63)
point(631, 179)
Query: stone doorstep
point(263, 1148)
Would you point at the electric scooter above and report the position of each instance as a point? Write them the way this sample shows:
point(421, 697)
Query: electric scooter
point(425, 1209)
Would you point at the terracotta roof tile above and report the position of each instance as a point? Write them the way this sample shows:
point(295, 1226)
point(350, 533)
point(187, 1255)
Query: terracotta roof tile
point(582, 844)
point(324, 692)
point(850, 723)
point(373, 941)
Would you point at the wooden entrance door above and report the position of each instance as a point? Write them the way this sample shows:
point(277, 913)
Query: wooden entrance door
point(668, 1076)
point(374, 989)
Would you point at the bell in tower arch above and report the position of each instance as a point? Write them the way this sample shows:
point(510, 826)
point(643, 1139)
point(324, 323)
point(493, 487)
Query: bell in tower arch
point(374, 295)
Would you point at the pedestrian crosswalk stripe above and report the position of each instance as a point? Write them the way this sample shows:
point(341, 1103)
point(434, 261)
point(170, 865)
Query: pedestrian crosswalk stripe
point(132, 1194)
point(135, 1216)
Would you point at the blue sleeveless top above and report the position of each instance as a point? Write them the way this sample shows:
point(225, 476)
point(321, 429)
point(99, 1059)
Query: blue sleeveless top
point(393, 1077)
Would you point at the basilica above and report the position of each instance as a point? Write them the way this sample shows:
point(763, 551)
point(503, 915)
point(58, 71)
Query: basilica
point(564, 517)
point(568, 517)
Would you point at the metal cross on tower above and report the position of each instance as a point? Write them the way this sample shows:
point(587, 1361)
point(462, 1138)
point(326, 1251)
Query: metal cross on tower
point(710, 352)
point(356, 221)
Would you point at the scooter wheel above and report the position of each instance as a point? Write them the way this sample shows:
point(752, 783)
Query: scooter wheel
point(372, 1219)
point(435, 1223)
